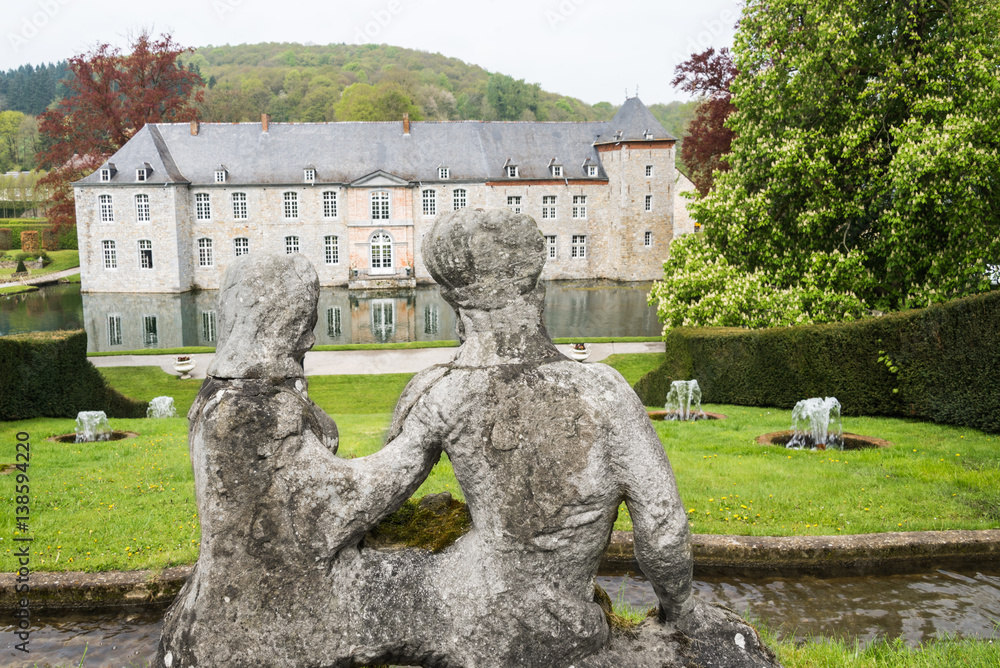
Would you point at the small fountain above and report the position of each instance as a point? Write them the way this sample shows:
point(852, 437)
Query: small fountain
point(161, 407)
point(816, 425)
point(684, 401)
point(92, 426)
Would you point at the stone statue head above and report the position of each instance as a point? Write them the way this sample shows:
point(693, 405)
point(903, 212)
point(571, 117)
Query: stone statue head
point(484, 258)
point(267, 312)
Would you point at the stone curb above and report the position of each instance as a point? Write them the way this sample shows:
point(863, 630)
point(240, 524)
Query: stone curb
point(861, 554)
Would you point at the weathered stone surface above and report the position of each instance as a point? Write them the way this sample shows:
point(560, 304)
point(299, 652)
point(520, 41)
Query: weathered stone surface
point(545, 450)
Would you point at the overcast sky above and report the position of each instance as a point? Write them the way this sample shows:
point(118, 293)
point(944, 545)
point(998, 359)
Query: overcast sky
point(590, 49)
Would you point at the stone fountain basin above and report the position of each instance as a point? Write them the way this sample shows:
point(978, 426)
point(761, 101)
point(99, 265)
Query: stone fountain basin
point(662, 415)
point(851, 441)
point(115, 436)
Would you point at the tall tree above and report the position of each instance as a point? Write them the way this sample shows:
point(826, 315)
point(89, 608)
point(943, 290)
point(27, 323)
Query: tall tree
point(708, 75)
point(510, 97)
point(111, 96)
point(867, 134)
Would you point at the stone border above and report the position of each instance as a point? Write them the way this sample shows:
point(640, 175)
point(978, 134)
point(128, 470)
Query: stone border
point(868, 441)
point(827, 556)
point(661, 415)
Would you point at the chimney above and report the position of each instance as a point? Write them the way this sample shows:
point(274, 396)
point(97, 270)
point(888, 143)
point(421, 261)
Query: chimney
point(406, 124)
point(194, 128)
point(265, 120)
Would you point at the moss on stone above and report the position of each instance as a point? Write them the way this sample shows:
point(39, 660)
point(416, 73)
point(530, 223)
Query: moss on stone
point(415, 526)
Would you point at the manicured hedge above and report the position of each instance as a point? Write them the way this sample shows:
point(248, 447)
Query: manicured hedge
point(66, 239)
point(47, 374)
point(947, 361)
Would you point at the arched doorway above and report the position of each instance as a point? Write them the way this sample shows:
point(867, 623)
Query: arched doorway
point(381, 253)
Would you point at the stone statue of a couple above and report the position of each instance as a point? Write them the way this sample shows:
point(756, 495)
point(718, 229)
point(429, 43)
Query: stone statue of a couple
point(545, 450)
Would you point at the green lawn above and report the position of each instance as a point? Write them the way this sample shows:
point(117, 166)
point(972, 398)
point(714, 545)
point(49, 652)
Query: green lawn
point(16, 289)
point(61, 260)
point(130, 504)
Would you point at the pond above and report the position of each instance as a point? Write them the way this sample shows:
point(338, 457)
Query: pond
point(124, 321)
point(916, 608)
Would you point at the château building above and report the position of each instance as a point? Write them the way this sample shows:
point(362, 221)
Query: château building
point(178, 203)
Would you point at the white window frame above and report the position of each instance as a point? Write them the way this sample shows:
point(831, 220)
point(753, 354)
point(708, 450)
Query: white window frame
point(105, 175)
point(220, 176)
point(552, 246)
point(649, 203)
point(202, 206)
point(333, 322)
point(208, 326)
point(549, 208)
point(649, 170)
point(110, 254)
point(459, 199)
point(309, 175)
point(647, 239)
point(512, 171)
point(329, 203)
point(206, 258)
point(578, 247)
point(140, 175)
point(292, 244)
point(580, 207)
point(591, 170)
point(444, 173)
point(147, 246)
point(557, 170)
point(149, 333)
point(428, 202)
point(514, 203)
point(241, 248)
point(432, 319)
point(142, 208)
point(240, 210)
point(106, 207)
point(381, 205)
point(115, 330)
point(290, 205)
point(331, 249)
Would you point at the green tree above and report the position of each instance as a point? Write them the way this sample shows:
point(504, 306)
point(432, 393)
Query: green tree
point(10, 126)
point(383, 102)
point(510, 97)
point(867, 137)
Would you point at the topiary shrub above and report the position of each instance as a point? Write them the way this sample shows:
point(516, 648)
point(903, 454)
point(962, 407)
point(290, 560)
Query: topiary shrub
point(940, 363)
point(20, 269)
point(50, 240)
point(6, 239)
point(47, 374)
point(29, 241)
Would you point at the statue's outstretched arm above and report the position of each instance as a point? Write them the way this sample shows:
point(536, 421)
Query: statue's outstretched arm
point(659, 524)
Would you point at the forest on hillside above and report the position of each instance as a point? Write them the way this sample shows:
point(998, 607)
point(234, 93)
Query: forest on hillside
point(317, 83)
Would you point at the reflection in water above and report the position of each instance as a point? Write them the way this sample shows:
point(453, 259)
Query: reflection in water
point(138, 321)
point(915, 608)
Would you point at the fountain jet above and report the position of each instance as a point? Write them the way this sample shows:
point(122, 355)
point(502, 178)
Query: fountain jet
point(92, 426)
point(816, 425)
point(684, 401)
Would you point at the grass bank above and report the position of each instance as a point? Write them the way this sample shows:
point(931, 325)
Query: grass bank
point(17, 289)
point(125, 505)
point(61, 260)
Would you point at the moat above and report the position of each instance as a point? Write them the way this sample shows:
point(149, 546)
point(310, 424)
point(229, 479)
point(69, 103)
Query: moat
point(133, 321)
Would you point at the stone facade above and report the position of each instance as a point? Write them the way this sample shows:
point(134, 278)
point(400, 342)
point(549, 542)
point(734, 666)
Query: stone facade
point(178, 226)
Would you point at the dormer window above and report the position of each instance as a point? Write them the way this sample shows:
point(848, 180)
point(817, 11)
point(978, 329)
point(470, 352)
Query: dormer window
point(512, 171)
point(647, 134)
point(557, 170)
point(221, 175)
point(591, 170)
point(309, 174)
point(141, 174)
point(444, 173)
point(618, 134)
point(108, 172)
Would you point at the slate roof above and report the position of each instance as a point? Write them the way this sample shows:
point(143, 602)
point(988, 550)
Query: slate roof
point(634, 120)
point(346, 151)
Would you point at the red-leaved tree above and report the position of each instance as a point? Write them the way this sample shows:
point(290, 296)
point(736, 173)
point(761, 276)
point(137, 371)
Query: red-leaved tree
point(111, 97)
point(709, 75)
